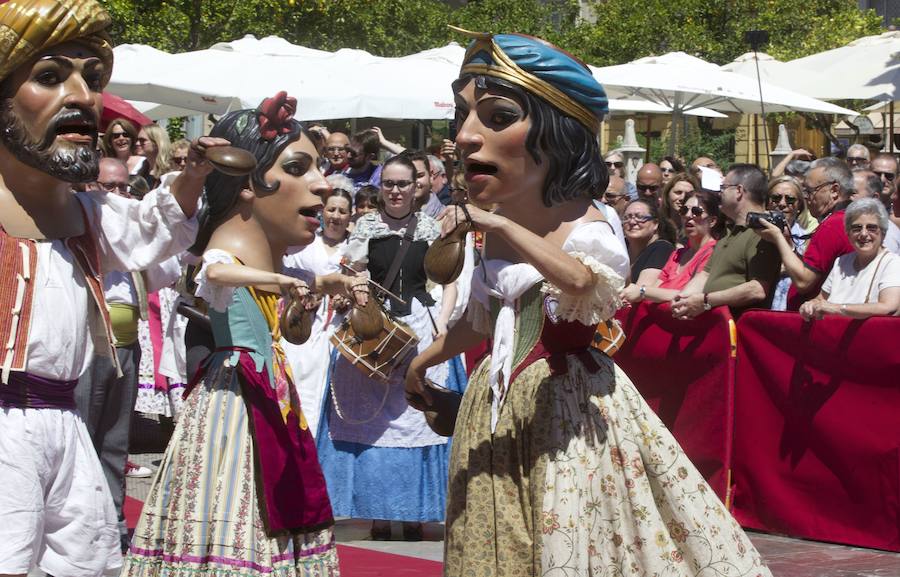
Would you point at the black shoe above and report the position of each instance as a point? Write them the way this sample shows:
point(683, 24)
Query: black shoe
point(412, 531)
point(380, 532)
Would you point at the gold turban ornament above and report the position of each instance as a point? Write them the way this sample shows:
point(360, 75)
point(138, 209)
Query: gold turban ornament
point(29, 27)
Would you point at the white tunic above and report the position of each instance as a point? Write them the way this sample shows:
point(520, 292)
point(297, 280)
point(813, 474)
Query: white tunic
point(131, 235)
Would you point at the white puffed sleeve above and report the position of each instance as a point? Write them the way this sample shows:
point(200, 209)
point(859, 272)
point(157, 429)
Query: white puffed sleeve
point(595, 245)
point(218, 296)
point(134, 234)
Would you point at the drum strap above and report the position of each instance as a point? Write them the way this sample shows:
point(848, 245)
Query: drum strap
point(405, 241)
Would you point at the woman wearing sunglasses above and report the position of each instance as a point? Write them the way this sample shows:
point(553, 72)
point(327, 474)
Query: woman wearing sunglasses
point(675, 193)
point(703, 226)
point(785, 195)
point(380, 458)
point(119, 142)
point(670, 166)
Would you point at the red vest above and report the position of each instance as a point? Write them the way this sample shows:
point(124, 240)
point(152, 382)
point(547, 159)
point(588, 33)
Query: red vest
point(18, 265)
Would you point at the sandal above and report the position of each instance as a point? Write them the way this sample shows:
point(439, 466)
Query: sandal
point(413, 531)
point(381, 531)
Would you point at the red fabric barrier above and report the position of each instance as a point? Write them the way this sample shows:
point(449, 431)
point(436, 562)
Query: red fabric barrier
point(817, 428)
point(684, 370)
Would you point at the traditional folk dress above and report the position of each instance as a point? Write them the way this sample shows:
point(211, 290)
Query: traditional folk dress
point(379, 456)
point(311, 360)
point(239, 491)
point(559, 467)
point(61, 516)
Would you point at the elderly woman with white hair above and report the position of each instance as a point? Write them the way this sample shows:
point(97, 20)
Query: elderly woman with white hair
point(865, 282)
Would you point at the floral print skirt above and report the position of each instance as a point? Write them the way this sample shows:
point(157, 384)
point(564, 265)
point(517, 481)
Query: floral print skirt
point(203, 516)
point(581, 478)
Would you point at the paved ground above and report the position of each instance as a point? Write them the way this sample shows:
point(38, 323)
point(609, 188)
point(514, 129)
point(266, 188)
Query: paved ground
point(786, 557)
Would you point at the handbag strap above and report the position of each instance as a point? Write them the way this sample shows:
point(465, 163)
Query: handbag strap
point(405, 241)
point(875, 275)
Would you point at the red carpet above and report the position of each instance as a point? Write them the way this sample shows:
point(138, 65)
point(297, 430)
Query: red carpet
point(355, 561)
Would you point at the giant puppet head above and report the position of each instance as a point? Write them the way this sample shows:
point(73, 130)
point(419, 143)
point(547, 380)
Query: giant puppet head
point(55, 60)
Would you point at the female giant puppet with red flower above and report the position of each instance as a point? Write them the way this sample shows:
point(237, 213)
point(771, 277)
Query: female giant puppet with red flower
point(240, 491)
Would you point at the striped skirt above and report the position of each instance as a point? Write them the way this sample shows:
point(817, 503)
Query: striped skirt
point(203, 515)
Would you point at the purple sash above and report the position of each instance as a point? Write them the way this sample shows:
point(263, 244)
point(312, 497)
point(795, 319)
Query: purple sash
point(27, 391)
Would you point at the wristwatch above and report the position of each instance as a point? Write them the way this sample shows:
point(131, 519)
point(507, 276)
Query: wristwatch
point(643, 291)
point(706, 305)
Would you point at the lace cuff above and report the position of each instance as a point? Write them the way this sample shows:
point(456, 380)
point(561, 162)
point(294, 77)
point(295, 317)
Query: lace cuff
point(596, 306)
point(218, 296)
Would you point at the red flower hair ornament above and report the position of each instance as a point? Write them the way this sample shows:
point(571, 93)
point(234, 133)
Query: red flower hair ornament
point(275, 115)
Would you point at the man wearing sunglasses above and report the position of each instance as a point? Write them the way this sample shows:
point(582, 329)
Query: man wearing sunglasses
point(827, 187)
point(885, 166)
point(649, 182)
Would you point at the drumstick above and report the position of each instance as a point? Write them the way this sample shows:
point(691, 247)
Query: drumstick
point(376, 285)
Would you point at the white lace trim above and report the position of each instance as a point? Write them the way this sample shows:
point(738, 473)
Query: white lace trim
point(218, 296)
point(598, 305)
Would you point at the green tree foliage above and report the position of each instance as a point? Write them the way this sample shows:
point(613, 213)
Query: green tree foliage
point(625, 30)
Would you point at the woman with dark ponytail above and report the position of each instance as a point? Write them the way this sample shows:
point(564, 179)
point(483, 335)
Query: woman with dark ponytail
point(240, 491)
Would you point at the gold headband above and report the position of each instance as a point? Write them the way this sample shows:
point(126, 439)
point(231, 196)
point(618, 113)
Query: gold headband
point(28, 27)
point(508, 70)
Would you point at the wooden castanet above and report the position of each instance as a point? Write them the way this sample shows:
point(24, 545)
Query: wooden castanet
point(446, 256)
point(231, 160)
point(295, 321)
point(441, 415)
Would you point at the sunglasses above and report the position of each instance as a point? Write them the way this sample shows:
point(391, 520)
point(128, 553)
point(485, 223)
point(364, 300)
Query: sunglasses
point(615, 164)
point(777, 198)
point(856, 159)
point(179, 159)
point(637, 218)
point(695, 211)
point(869, 228)
point(400, 184)
point(142, 141)
point(115, 186)
point(647, 187)
point(116, 135)
point(889, 176)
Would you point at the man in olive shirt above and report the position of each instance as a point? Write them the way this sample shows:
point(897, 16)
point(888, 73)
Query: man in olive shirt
point(743, 269)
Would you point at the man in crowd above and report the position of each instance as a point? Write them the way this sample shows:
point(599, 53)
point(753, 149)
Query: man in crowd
point(55, 245)
point(104, 398)
point(615, 195)
point(362, 152)
point(867, 184)
point(743, 269)
point(649, 182)
point(440, 186)
point(885, 166)
point(827, 187)
point(857, 156)
point(336, 147)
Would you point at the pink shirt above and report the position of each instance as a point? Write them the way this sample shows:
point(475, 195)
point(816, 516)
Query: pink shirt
point(671, 278)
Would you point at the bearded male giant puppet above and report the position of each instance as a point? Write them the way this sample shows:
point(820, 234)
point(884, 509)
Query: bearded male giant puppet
point(55, 59)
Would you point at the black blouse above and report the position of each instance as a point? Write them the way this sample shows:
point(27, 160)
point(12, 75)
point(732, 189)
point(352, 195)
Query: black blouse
point(655, 255)
point(410, 281)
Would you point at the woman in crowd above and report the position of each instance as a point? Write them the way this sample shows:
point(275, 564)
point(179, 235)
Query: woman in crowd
point(119, 141)
point(558, 466)
point(310, 361)
point(865, 282)
point(240, 491)
point(381, 459)
point(670, 166)
point(703, 225)
point(785, 195)
point(178, 157)
point(675, 193)
point(615, 164)
point(649, 241)
point(153, 144)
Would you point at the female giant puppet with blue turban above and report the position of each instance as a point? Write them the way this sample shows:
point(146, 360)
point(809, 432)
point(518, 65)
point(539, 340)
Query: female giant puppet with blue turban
point(558, 465)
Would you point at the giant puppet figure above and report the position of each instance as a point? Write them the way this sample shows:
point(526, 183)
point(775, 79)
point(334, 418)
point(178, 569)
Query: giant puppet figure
point(55, 58)
point(558, 465)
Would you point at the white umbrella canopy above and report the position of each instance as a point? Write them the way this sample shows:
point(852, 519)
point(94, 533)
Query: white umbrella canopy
point(683, 82)
point(773, 71)
point(867, 69)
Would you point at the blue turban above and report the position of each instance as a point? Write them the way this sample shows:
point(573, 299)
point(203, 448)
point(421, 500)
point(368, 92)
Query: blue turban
point(541, 68)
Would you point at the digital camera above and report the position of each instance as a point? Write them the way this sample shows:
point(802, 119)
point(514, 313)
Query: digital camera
point(776, 217)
